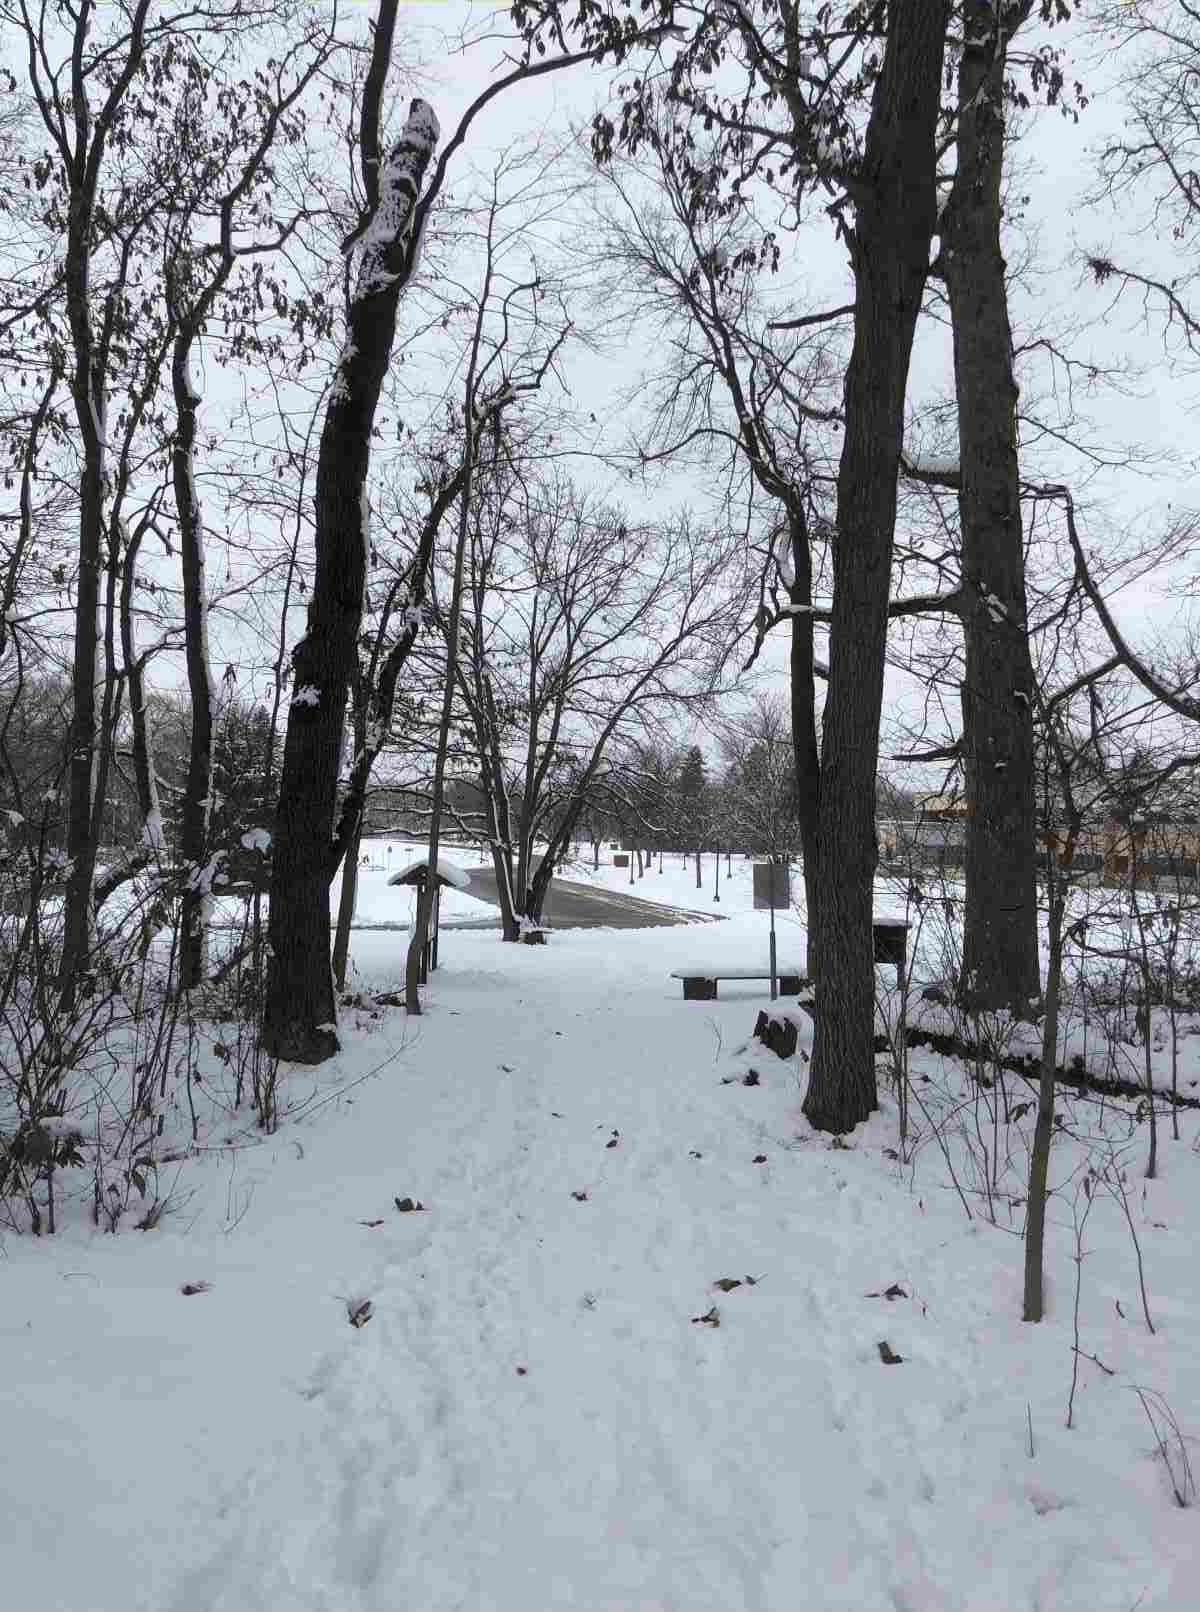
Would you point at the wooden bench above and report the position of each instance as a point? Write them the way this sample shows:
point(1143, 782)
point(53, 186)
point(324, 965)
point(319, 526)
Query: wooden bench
point(702, 986)
point(890, 938)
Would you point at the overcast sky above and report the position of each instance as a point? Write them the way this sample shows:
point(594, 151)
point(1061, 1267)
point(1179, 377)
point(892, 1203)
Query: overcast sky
point(1052, 167)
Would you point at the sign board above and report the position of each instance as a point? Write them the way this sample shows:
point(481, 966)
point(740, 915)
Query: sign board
point(772, 885)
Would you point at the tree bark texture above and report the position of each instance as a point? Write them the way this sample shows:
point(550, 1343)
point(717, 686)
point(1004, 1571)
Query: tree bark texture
point(83, 158)
point(1000, 966)
point(889, 241)
point(299, 1022)
point(1043, 1131)
point(345, 917)
point(87, 390)
point(194, 848)
point(804, 722)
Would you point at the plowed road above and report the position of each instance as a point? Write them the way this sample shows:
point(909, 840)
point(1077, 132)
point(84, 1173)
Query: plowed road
point(583, 906)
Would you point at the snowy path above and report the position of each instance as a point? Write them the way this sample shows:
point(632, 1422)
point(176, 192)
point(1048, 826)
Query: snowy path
point(535, 1419)
point(531, 1420)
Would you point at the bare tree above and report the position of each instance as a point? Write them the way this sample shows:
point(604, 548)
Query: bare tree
point(601, 627)
point(1000, 933)
point(516, 335)
point(103, 105)
point(797, 116)
point(756, 392)
point(759, 786)
point(230, 130)
point(1153, 163)
point(300, 1013)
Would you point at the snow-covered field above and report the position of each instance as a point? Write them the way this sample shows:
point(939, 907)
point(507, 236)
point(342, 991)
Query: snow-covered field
point(554, 1402)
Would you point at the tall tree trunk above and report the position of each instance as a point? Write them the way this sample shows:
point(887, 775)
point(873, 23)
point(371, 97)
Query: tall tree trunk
point(804, 726)
point(345, 917)
point(83, 162)
point(350, 833)
point(1000, 967)
point(194, 848)
point(497, 806)
point(429, 892)
point(1043, 1131)
point(895, 216)
point(375, 694)
point(300, 1014)
point(152, 847)
point(90, 412)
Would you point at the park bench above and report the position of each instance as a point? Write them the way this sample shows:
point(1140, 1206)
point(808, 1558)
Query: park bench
point(700, 984)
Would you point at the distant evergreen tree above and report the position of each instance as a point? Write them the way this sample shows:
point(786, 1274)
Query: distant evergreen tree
point(693, 775)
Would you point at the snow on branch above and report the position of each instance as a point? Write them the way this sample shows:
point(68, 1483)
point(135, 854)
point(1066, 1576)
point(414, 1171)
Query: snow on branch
point(933, 471)
point(783, 558)
point(399, 187)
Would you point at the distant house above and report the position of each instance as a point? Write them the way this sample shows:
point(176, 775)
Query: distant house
point(933, 836)
point(1153, 843)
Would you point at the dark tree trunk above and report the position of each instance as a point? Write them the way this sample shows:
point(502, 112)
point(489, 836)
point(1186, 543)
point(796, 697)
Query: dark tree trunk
point(83, 163)
point(90, 411)
point(144, 777)
point(889, 240)
point(194, 846)
point(1000, 933)
point(1043, 1131)
point(341, 944)
point(300, 1015)
point(556, 849)
point(350, 842)
point(496, 802)
point(804, 725)
point(427, 904)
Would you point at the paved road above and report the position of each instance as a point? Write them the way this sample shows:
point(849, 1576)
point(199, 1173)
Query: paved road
point(583, 906)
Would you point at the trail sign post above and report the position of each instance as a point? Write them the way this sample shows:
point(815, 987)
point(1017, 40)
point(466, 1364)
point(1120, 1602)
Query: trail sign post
point(772, 888)
point(417, 875)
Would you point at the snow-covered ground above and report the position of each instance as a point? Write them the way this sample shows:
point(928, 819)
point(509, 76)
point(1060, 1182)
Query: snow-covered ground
point(557, 1400)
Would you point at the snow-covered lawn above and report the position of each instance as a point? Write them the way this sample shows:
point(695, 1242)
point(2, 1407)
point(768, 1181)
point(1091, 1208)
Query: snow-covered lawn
point(554, 1403)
